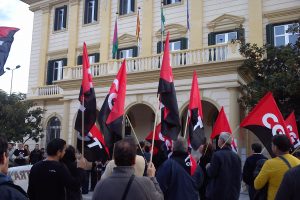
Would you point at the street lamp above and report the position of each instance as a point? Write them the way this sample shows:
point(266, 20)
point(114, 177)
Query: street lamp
point(12, 76)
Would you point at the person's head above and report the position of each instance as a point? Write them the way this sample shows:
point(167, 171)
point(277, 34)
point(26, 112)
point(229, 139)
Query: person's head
point(125, 152)
point(180, 145)
point(256, 148)
point(37, 146)
point(20, 146)
point(280, 144)
point(224, 139)
point(43, 150)
point(56, 148)
point(147, 148)
point(10, 146)
point(3, 155)
point(69, 156)
point(26, 147)
point(142, 144)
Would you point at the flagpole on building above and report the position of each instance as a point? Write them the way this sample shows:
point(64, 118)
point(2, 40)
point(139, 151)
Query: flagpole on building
point(138, 31)
point(186, 122)
point(188, 23)
point(154, 129)
point(82, 135)
point(162, 26)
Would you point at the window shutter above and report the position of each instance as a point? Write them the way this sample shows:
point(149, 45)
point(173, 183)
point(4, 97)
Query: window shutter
point(211, 38)
point(121, 2)
point(270, 34)
point(86, 12)
point(132, 5)
point(159, 47)
point(55, 19)
point(65, 17)
point(65, 62)
point(241, 34)
point(50, 72)
point(79, 60)
point(135, 51)
point(97, 57)
point(55, 70)
point(184, 43)
point(96, 10)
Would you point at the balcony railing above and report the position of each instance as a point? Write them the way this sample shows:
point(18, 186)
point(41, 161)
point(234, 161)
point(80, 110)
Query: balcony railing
point(48, 90)
point(216, 53)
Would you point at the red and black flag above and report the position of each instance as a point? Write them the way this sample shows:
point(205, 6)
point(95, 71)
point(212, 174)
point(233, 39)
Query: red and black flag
point(291, 126)
point(170, 123)
point(195, 120)
point(6, 39)
point(222, 125)
point(111, 114)
point(87, 98)
point(265, 121)
point(94, 146)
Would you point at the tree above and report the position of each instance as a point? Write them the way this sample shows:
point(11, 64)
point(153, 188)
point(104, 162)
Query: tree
point(275, 69)
point(20, 119)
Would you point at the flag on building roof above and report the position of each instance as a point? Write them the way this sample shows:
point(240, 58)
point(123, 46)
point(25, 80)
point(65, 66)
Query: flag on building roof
point(87, 97)
point(163, 19)
point(195, 116)
point(187, 15)
point(6, 39)
point(291, 125)
point(115, 41)
point(138, 26)
point(265, 121)
point(111, 114)
point(170, 122)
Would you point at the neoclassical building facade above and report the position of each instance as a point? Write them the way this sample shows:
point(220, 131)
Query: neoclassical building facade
point(61, 26)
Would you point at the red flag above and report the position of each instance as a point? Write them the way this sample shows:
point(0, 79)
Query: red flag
point(170, 122)
point(265, 121)
point(292, 129)
point(193, 165)
point(111, 114)
point(195, 120)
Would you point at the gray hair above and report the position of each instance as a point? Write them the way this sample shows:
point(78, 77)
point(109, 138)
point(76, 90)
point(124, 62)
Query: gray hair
point(180, 145)
point(226, 137)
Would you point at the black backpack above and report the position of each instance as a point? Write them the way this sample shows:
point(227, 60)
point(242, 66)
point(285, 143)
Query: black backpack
point(261, 194)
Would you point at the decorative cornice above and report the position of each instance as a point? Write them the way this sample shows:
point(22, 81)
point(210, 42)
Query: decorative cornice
point(91, 47)
point(127, 40)
point(283, 15)
point(225, 22)
point(57, 54)
point(176, 31)
point(36, 5)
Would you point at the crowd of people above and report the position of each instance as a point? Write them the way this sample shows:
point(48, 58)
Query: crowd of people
point(217, 175)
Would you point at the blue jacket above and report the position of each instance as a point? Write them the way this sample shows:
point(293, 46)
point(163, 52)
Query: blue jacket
point(176, 183)
point(10, 191)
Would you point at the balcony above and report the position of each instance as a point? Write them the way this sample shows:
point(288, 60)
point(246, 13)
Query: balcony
point(47, 91)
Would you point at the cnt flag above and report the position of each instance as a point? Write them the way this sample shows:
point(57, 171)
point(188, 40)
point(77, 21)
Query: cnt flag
point(222, 125)
point(291, 126)
point(87, 97)
point(111, 114)
point(195, 120)
point(265, 121)
point(94, 146)
point(170, 123)
point(6, 39)
point(115, 41)
point(138, 26)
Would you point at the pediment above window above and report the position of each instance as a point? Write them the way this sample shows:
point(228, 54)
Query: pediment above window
point(176, 31)
point(225, 22)
point(127, 40)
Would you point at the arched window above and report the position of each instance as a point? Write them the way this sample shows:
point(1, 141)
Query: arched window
point(53, 129)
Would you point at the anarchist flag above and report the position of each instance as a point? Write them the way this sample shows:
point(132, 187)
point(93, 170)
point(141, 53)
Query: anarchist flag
point(195, 119)
point(6, 39)
point(87, 97)
point(111, 114)
point(291, 126)
point(170, 123)
point(94, 146)
point(222, 125)
point(265, 121)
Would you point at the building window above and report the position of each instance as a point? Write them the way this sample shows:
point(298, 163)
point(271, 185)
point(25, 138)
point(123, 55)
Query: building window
point(225, 36)
point(277, 34)
point(53, 129)
point(90, 11)
point(126, 7)
point(167, 2)
point(60, 19)
point(55, 70)
point(127, 52)
point(175, 45)
point(93, 58)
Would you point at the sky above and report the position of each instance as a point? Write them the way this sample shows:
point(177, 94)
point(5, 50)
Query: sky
point(14, 13)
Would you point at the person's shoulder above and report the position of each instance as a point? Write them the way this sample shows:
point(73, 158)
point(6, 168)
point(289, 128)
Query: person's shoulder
point(9, 190)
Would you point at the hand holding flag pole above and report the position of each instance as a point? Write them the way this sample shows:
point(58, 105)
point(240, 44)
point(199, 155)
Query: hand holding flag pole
point(154, 129)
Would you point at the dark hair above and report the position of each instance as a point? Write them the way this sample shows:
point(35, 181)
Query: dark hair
point(55, 145)
point(142, 144)
point(69, 156)
point(256, 147)
point(125, 152)
point(3, 147)
point(282, 142)
point(147, 148)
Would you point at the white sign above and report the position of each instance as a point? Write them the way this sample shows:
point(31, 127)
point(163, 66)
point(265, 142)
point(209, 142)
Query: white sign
point(20, 175)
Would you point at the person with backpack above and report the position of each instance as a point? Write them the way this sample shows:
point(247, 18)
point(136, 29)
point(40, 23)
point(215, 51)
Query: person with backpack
point(274, 169)
point(249, 167)
point(8, 190)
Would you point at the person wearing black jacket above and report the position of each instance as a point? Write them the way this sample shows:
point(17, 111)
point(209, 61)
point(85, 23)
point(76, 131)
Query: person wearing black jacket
point(49, 178)
point(8, 190)
point(35, 155)
point(249, 167)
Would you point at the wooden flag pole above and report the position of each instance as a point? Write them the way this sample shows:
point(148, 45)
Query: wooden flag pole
point(154, 129)
point(82, 126)
point(135, 136)
point(186, 122)
point(231, 135)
